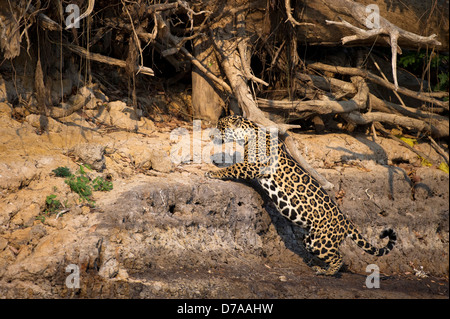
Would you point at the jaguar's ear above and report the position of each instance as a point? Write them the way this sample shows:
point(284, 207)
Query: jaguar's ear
point(237, 122)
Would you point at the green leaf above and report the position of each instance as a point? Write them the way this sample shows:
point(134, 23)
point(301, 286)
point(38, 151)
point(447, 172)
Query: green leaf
point(49, 199)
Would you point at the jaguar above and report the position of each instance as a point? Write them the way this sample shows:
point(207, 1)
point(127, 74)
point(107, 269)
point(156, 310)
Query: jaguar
point(297, 195)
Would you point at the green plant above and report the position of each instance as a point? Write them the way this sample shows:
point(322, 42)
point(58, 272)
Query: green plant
point(81, 169)
point(51, 204)
point(412, 60)
point(41, 218)
point(100, 184)
point(442, 84)
point(417, 61)
point(62, 172)
point(80, 185)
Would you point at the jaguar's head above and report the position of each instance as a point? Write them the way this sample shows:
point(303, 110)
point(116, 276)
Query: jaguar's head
point(235, 128)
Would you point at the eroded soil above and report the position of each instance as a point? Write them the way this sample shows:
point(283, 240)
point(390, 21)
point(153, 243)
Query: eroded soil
point(165, 231)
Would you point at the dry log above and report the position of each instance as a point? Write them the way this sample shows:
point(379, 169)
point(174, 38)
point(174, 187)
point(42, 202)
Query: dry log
point(351, 111)
point(386, 106)
point(207, 103)
point(439, 149)
point(378, 80)
point(79, 101)
point(338, 87)
point(104, 59)
point(436, 128)
point(312, 106)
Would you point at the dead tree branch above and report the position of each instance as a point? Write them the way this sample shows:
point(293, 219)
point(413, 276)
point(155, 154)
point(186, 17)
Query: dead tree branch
point(378, 80)
point(104, 59)
point(290, 18)
point(384, 28)
point(437, 129)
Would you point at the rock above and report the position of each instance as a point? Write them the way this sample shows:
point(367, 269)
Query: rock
point(85, 93)
point(37, 232)
point(109, 269)
point(122, 115)
point(160, 161)
point(16, 173)
point(91, 154)
point(5, 116)
point(38, 121)
point(20, 237)
point(101, 114)
point(5, 109)
point(26, 216)
point(142, 158)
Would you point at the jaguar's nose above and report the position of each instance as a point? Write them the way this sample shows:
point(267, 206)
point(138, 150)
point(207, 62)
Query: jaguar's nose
point(216, 136)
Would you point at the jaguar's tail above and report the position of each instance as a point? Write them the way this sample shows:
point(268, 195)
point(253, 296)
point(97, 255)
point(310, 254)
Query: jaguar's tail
point(369, 248)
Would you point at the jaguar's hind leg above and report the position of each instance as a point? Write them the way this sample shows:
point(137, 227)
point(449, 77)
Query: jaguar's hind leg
point(334, 263)
point(328, 254)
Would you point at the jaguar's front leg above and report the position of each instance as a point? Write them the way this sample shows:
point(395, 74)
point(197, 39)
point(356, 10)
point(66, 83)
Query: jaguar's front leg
point(238, 170)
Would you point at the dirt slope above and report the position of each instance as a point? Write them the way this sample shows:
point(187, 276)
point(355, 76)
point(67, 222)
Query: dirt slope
point(165, 231)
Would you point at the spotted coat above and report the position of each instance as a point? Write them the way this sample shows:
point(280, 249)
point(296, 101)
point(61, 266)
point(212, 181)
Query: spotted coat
point(295, 193)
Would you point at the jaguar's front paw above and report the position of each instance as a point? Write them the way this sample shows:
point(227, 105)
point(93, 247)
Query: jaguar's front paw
point(210, 174)
point(319, 270)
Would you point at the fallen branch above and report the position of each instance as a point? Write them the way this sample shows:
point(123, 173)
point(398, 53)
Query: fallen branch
point(80, 101)
point(386, 106)
point(153, 8)
point(378, 80)
point(203, 69)
point(324, 105)
point(104, 59)
point(314, 106)
point(118, 24)
point(338, 87)
point(385, 28)
point(436, 128)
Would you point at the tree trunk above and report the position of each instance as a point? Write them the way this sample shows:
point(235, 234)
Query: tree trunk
point(207, 103)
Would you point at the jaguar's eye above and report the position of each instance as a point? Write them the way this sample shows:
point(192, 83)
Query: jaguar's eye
point(237, 122)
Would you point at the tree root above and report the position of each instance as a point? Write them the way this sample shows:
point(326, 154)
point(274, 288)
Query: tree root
point(385, 28)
